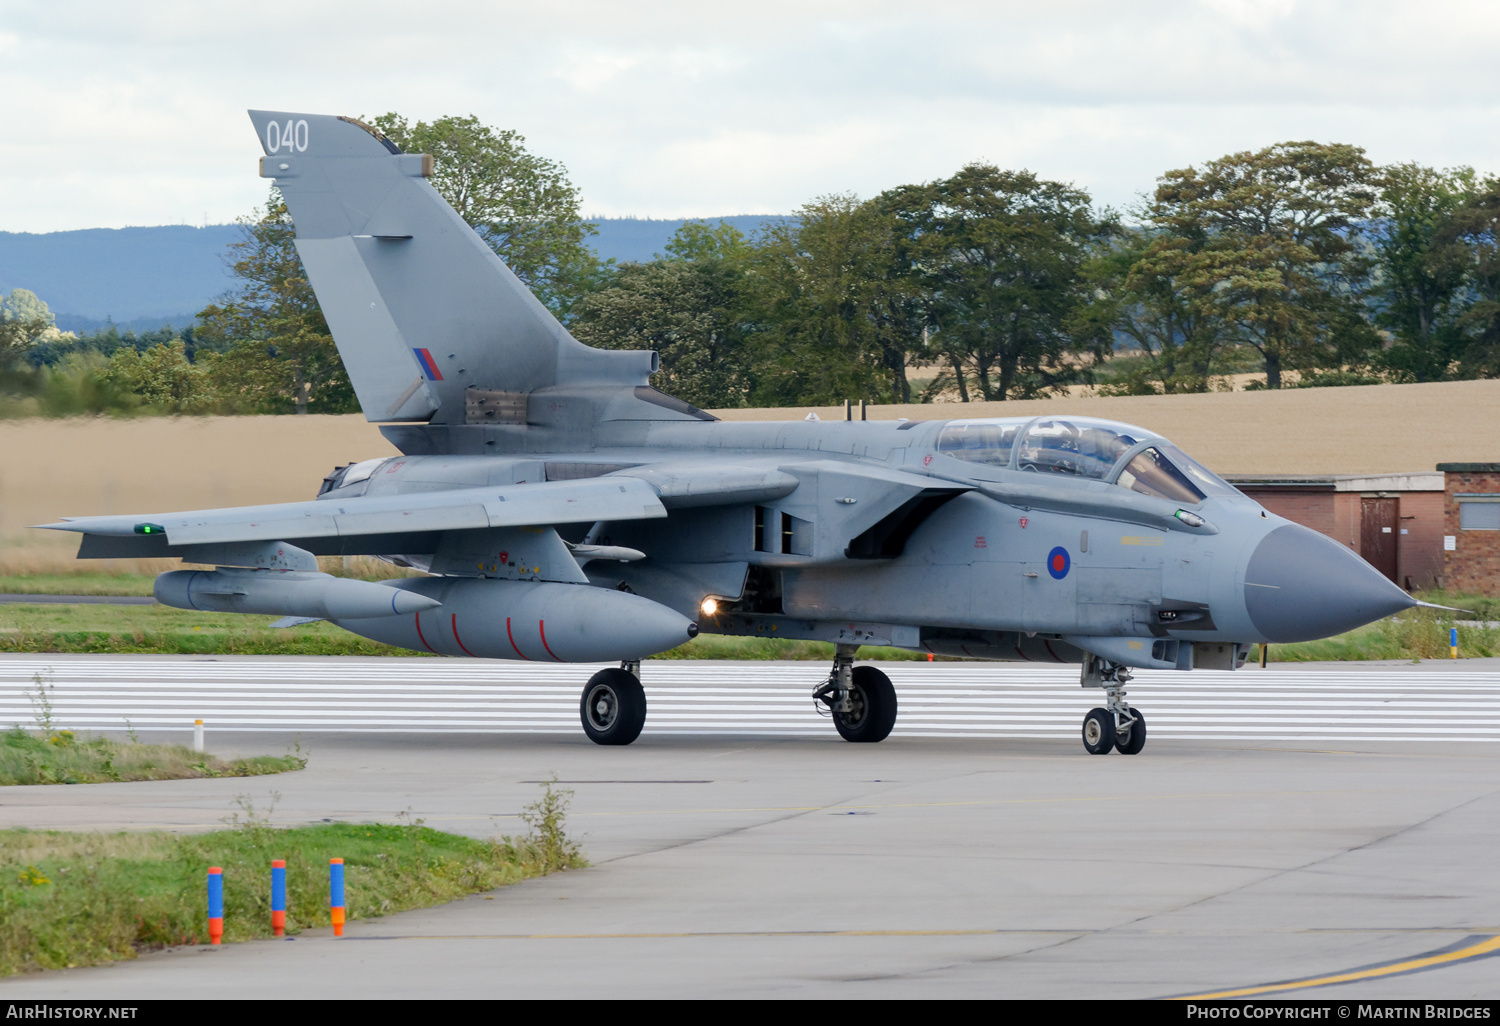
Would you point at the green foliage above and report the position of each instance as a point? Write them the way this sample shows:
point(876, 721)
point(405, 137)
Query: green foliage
point(50, 756)
point(85, 899)
point(835, 309)
point(272, 349)
point(545, 847)
point(25, 305)
point(1001, 257)
point(685, 308)
point(1474, 235)
point(1415, 634)
point(1149, 294)
point(24, 321)
point(1421, 268)
point(523, 205)
point(162, 378)
point(1264, 244)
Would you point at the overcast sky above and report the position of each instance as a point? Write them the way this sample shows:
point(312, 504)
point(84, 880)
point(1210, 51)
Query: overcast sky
point(121, 114)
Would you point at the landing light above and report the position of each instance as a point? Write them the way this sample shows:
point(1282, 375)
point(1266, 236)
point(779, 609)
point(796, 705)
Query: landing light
point(709, 607)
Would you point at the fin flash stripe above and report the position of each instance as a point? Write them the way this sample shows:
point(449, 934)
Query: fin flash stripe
point(429, 365)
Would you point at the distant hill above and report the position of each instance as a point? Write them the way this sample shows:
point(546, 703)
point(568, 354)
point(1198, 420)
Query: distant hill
point(141, 278)
point(641, 239)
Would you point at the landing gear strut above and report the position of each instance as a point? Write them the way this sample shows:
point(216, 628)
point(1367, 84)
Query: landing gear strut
point(1117, 725)
point(861, 699)
point(613, 706)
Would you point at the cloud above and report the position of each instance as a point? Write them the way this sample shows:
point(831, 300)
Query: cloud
point(134, 114)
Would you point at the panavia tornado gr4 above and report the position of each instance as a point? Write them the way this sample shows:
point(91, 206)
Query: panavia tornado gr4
point(565, 510)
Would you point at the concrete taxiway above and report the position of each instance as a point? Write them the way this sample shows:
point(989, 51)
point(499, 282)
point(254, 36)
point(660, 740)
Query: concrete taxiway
point(926, 866)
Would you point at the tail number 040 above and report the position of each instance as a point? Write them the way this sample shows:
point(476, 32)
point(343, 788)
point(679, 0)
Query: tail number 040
point(291, 136)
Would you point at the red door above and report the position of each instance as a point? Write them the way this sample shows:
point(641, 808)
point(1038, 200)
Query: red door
point(1379, 533)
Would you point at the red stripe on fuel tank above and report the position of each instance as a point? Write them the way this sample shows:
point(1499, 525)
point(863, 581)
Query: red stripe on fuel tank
point(512, 639)
point(418, 618)
point(471, 655)
point(541, 628)
point(1050, 652)
point(1023, 655)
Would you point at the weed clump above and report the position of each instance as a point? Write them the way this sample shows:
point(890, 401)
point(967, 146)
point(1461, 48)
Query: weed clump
point(546, 847)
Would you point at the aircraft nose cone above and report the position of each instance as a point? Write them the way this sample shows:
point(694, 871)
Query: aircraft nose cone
point(1301, 585)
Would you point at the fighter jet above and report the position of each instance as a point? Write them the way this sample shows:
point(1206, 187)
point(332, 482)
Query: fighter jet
point(561, 509)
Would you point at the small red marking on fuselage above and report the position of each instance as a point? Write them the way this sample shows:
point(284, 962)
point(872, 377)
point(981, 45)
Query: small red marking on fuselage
point(541, 629)
point(979, 543)
point(926, 460)
point(1024, 521)
point(512, 639)
point(471, 655)
point(418, 618)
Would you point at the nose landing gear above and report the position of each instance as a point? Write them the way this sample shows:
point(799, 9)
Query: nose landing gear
point(1117, 725)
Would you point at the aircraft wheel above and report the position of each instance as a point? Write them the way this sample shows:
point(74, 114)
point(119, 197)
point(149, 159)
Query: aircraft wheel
point(1099, 731)
point(613, 707)
point(874, 700)
point(1134, 739)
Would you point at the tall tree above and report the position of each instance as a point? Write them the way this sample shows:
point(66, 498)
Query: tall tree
point(837, 311)
point(1272, 236)
point(1002, 255)
point(684, 307)
point(1473, 239)
point(1152, 295)
point(25, 321)
point(269, 346)
point(523, 205)
point(1422, 267)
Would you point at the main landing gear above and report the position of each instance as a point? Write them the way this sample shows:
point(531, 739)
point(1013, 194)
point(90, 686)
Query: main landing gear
point(613, 707)
point(1117, 725)
point(861, 699)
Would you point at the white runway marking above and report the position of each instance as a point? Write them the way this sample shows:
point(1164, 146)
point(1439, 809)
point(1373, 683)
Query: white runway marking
point(970, 700)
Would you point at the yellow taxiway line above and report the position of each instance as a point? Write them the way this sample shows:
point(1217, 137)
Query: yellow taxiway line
point(1487, 947)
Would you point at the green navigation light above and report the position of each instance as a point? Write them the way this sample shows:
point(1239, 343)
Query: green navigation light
point(150, 529)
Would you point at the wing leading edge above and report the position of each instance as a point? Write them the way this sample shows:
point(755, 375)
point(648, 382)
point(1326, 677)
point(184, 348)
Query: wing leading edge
point(562, 502)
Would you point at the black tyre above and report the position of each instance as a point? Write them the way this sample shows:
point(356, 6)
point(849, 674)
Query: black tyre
point(1099, 731)
point(613, 707)
point(873, 697)
point(1134, 739)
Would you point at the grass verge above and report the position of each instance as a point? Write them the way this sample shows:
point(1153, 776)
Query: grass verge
point(73, 899)
point(1416, 634)
point(58, 757)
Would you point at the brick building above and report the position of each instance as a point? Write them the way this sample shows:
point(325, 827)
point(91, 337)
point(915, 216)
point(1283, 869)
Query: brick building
point(1395, 521)
point(1472, 527)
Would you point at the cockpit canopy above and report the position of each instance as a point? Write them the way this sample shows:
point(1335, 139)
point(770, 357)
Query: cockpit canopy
point(1101, 450)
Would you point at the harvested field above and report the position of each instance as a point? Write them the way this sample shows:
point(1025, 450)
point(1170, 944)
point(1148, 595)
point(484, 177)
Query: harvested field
point(53, 468)
point(87, 466)
point(1368, 429)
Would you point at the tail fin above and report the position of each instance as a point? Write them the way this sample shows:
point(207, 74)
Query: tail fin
point(420, 308)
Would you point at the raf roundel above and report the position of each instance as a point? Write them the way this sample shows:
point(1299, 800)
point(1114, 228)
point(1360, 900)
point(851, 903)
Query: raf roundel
point(1058, 563)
